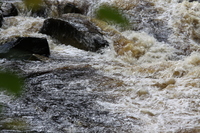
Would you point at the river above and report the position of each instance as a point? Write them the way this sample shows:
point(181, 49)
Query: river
point(76, 91)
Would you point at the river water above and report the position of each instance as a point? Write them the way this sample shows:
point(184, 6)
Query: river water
point(78, 91)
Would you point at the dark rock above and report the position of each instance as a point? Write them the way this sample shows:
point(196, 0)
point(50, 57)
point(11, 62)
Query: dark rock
point(75, 30)
point(193, 0)
point(159, 29)
point(65, 7)
point(25, 48)
point(8, 9)
point(1, 19)
point(188, 1)
point(71, 8)
point(39, 12)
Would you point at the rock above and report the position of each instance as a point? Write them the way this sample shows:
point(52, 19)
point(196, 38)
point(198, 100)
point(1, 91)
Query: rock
point(165, 84)
point(25, 48)
point(8, 9)
point(194, 0)
point(188, 1)
point(71, 8)
point(1, 19)
point(121, 44)
point(142, 92)
point(40, 12)
point(75, 30)
point(34, 8)
point(82, 7)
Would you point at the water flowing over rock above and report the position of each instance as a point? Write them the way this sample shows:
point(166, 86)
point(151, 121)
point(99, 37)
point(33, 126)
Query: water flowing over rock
point(81, 7)
point(146, 81)
point(122, 45)
point(9, 9)
point(186, 27)
point(75, 31)
point(25, 48)
point(40, 12)
point(71, 8)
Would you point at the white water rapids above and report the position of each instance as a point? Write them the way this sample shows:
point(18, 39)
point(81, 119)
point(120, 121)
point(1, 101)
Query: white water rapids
point(161, 88)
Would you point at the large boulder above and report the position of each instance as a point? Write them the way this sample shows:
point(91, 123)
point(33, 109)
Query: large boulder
point(8, 9)
point(75, 30)
point(25, 48)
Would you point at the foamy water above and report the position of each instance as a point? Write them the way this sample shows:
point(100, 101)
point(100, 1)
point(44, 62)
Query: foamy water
point(161, 87)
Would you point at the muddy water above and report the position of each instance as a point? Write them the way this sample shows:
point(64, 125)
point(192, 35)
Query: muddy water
point(76, 91)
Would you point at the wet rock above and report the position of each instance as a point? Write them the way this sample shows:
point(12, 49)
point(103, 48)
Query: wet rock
point(188, 1)
point(24, 48)
point(165, 84)
point(1, 19)
point(159, 29)
point(8, 9)
point(121, 44)
point(14, 125)
point(142, 92)
point(147, 112)
point(59, 99)
point(75, 30)
point(34, 9)
point(41, 12)
point(194, 0)
point(81, 7)
point(71, 8)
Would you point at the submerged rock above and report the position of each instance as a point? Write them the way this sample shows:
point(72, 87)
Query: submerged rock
point(40, 12)
point(34, 9)
point(25, 48)
point(75, 30)
point(71, 8)
point(121, 44)
point(8, 9)
point(81, 7)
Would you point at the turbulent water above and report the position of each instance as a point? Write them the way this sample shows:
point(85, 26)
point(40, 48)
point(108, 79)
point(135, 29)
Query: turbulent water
point(156, 91)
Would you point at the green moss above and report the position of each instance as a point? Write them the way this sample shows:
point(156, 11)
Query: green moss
point(112, 15)
point(33, 4)
point(15, 124)
point(11, 83)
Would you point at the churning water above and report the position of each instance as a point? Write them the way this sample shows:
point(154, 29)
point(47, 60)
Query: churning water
point(153, 87)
